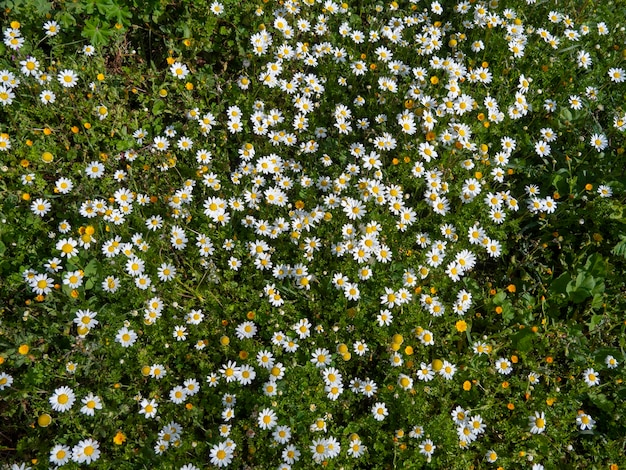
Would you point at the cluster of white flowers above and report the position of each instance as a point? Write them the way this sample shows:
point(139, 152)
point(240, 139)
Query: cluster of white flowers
point(324, 172)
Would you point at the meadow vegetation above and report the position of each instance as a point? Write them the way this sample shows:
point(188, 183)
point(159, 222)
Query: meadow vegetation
point(305, 234)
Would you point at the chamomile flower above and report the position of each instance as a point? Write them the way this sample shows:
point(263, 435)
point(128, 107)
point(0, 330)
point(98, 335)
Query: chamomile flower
point(91, 403)
point(166, 272)
point(591, 377)
point(111, 284)
point(379, 411)
point(267, 419)
point(368, 387)
point(503, 366)
point(425, 372)
point(73, 279)
point(180, 333)
point(617, 75)
point(537, 423)
point(60, 455)
point(384, 318)
point(94, 170)
point(192, 387)
point(86, 319)
point(42, 284)
point(51, 28)
point(575, 102)
point(599, 142)
point(427, 448)
point(160, 143)
point(217, 8)
point(86, 451)
point(356, 448)
point(6, 95)
point(491, 456)
point(148, 408)
point(62, 399)
point(30, 66)
point(179, 70)
point(40, 207)
point(67, 78)
point(63, 185)
point(282, 434)
point(447, 370)
point(6, 380)
point(584, 60)
point(611, 362)
point(585, 421)
point(126, 337)
point(246, 330)
point(246, 374)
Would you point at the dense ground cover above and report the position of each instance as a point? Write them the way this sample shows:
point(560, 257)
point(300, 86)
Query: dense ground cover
point(304, 233)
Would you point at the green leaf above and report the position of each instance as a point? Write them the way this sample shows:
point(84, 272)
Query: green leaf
point(92, 268)
point(565, 114)
point(98, 35)
point(469, 336)
point(578, 295)
point(602, 402)
point(66, 20)
point(560, 182)
point(620, 248)
point(595, 321)
point(158, 107)
point(596, 265)
point(580, 289)
point(43, 7)
point(585, 281)
point(597, 301)
point(559, 285)
point(523, 340)
point(499, 298)
point(617, 211)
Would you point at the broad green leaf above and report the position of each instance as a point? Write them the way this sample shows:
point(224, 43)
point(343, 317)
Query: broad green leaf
point(595, 321)
point(523, 340)
point(585, 281)
point(565, 114)
point(98, 35)
point(91, 268)
point(597, 301)
point(66, 20)
point(559, 285)
point(596, 265)
point(158, 107)
point(499, 298)
point(620, 248)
